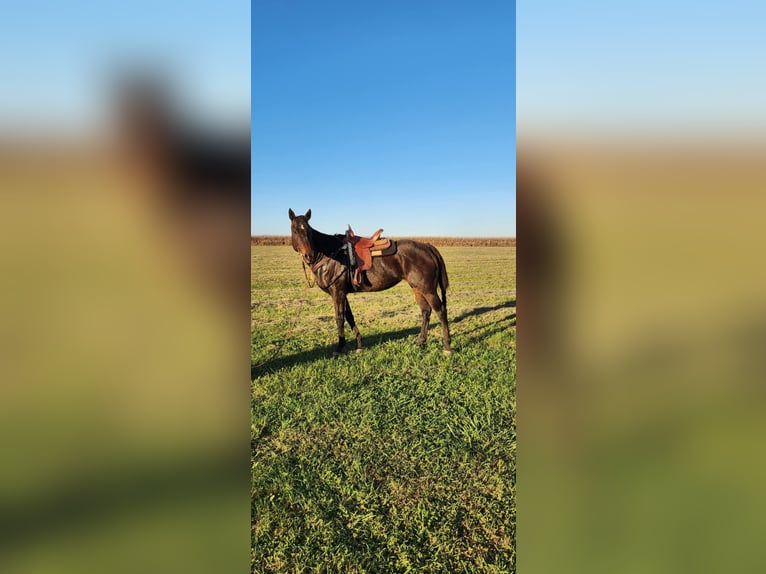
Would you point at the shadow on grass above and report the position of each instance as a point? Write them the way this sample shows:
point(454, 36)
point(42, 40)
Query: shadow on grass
point(483, 332)
point(283, 361)
point(511, 303)
point(486, 330)
point(287, 361)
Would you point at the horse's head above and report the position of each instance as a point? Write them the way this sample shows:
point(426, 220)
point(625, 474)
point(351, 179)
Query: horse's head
point(301, 232)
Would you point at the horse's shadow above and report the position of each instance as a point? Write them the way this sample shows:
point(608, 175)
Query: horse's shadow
point(487, 329)
point(511, 303)
point(283, 361)
point(286, 361)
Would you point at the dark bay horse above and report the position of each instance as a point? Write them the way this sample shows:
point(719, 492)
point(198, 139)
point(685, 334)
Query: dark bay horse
point(419, 264)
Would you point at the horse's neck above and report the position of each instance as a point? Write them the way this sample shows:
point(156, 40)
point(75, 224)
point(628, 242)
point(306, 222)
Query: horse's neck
point(326, 244)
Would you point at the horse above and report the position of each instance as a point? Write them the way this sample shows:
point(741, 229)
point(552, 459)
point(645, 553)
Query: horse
point(419, 264)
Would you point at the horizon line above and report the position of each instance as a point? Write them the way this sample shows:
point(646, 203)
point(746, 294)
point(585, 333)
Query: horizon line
point(283, 235)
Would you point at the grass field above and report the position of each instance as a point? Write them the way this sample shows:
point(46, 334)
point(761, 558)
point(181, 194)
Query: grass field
point(398, 459)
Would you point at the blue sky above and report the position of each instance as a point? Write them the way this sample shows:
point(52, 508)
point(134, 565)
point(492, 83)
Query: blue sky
point(398, 115)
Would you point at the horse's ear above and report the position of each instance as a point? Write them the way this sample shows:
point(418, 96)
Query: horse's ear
point(291, 213)
point(308, 215)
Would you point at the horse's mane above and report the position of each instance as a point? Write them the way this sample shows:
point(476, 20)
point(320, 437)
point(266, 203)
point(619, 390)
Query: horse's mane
point(329, 245)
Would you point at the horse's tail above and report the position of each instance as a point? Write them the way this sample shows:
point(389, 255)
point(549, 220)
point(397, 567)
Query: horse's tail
point(442, 274)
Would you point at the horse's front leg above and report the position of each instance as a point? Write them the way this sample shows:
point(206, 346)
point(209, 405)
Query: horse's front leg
point(339, 301)
point(352, 324)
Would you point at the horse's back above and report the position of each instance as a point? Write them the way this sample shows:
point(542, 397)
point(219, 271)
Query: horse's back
point(419, 264)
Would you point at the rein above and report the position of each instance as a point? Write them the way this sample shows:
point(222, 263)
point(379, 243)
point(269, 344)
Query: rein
point(316, 266)
point(309, 284)
point(290, 330)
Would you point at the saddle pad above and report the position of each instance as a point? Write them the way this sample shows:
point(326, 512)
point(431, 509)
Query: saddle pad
point(390, 250)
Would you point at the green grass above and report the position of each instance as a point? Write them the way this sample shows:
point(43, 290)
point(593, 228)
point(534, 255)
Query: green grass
point(398, 459)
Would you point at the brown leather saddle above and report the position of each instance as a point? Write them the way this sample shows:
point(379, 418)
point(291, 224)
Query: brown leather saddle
point(365, 248)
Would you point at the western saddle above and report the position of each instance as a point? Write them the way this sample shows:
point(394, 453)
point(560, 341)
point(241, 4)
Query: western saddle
point(361, 250)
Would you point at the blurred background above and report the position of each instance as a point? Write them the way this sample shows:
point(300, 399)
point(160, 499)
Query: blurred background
point(642, 317)
point(124, 222)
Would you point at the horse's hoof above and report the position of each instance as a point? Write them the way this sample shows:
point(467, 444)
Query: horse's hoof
point(335, 354)
point(359, 350)
point(447, 351)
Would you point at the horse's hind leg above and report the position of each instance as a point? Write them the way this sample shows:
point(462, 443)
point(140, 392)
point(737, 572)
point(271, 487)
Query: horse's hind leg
point(441, 312)
point(425, 310)
point(352, 324)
